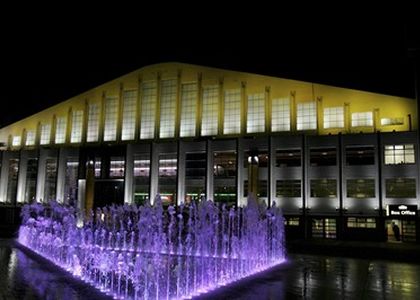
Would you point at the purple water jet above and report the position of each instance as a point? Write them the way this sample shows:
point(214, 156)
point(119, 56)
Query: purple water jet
point(148, 252)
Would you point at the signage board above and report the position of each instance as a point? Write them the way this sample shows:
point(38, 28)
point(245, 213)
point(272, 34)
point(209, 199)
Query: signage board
point(401, 210)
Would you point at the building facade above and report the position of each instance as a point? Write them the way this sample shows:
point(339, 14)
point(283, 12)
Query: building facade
point(341, 163)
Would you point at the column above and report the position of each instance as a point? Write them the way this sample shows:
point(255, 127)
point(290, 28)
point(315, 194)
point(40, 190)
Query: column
point(129, 175)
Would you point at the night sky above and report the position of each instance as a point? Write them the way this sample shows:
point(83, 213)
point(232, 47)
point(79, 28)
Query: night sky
point(44, 64)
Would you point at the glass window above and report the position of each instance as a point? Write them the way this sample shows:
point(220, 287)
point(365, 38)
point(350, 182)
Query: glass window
point(70, 182)
point(195, 176)
point(111, 115)
point(141, 178)
point(232, 112)
point(399, 154)
point(209, 125)
point(148, 110)
point(392, 121)
point(31, 177)
point(45, 134)
point(324, 228)
point(360, 188)
point(30, 138)
point(334, 117)
point(98, 167)
point(167, 108)
point(323, 188)
point(280, 114)
point(60, 130)
point(288, 158)
point(323, 157)
point(261, 188)
point(360, 155)
point(224, 167)
point(400, 187)
point(129, 115)
point(12, 180)
point(93, 123)
point(291, 221)
point(362, 119)
point(50, 179)
point(262, 158)
point(306, 116)
point(77, 126)
point(353, 222)
point(116, 167)
point(188, 109)
point(16, 140)
point(288, 188)
point(167, 178)
point(256, 113)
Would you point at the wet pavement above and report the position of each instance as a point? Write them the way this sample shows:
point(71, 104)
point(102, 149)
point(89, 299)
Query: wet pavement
point(23, 276)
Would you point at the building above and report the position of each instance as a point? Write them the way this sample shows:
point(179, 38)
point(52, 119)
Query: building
point(341, 163)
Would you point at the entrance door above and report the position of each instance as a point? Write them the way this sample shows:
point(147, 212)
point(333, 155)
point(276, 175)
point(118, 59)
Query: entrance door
point(394, 230)
point(108, 192)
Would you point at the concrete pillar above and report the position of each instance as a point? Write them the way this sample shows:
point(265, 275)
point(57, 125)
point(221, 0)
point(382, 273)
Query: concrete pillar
point(239, 174)
point(90, 186)
point(4, 176)
point(253, 173)
point(181, 174)
point(61, 174)
point(129, 175)
point(209, 171)
point(154, 171)
point(23, 167)
point(40, 180)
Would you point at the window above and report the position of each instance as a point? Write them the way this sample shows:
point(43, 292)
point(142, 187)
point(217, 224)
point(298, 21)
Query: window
point(323, 157)
point(392, 121)
point(334, 117)
point(16, 141)
point(50, 179)
point(232, 112)
point(116, 167)
point(93, 123)
point(141, 178)
point(12, 180)
point(70, 181)
point(362, 119)
point(291, 221)
point(324, 228)
point(261, 188)
point(306, 116)
point(167, 108)
point(195, 176)
point(361, 222)
point(148, 110)
point(111, 115)
point(288, 188)
point(256, 113)
point(188, 109)
point(280, 114)
point(30, 138)
point(360, 155)
point(45, 134)
point(98, 167)
point(400, 187)
point(224, 177)
point(77, 126)
point(60, 130)
point(360, 188)
point(323, 188)
point(31, 176)
point(209, 119)
point(262, 158)
point(167, 178)
point(129, 115)
point(399, 154)
point(288, 158)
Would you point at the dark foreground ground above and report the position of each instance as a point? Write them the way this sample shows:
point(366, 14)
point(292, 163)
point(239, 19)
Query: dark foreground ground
point(304, 276)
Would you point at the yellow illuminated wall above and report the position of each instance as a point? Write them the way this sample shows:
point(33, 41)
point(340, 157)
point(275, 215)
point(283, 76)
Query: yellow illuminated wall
point(171, 100)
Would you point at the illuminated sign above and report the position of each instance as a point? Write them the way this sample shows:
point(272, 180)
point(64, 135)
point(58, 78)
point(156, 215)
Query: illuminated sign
point(401, 210)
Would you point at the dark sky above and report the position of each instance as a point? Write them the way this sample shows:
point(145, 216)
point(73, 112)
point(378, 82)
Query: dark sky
point(44, 64)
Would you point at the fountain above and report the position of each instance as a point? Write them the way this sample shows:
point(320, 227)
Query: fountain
point(149, 252)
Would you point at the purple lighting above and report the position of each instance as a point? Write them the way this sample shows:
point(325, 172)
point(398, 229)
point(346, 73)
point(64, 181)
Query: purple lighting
point(132, 252)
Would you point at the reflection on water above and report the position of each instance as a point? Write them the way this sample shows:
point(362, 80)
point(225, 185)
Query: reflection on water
point(305, 276)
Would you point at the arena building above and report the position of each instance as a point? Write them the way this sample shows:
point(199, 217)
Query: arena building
point(341, 163)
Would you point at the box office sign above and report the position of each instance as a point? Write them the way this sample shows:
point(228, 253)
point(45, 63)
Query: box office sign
point(401, 210)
